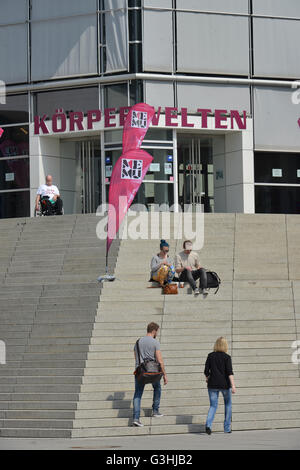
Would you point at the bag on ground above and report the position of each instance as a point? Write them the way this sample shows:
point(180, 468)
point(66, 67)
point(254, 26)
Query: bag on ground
point(170, 289)
point(213, 280)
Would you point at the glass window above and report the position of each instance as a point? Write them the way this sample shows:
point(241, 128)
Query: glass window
point(152, 193)
point(162, 166)
point(64, 47)
point(14, 204)
point(115, 96)
point(159, 134)
point(113, 136)
point(75, 99)
point(277, 199)
point(14, 173)
point(277, 167)
point(136, 90)
point(14, 110)
point(155, 193)
point(14, 141)
point(116, 36)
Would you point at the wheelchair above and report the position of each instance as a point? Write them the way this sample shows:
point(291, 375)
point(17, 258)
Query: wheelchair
point(49, 209)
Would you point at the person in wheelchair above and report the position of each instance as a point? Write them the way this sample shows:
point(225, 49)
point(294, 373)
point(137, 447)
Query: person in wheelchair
point(48, 200)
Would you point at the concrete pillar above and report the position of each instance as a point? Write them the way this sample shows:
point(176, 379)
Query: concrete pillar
point(234, 172)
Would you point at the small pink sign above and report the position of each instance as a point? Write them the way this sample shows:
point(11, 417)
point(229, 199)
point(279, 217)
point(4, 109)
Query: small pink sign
point(1, 132)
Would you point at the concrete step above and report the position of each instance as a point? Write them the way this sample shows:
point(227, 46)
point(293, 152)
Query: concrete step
point(38, 388)
point(38, 406)
point(39, 397)
point(37, 415)
point(35, 433)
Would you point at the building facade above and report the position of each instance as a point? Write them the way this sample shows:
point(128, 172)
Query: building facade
point(221, 75)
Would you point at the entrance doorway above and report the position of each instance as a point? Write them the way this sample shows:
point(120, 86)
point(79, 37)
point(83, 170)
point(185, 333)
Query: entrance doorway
point(195, 170)
point(88, 175)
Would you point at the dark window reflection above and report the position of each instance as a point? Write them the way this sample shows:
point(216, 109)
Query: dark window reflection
point(135, 57)
point(14, 110)
point(136, 92)
point(14, 141)
point(115, 96)
point(75, 99)
point(288, 163)
point(135, 25)
point(152, 193)
point(14, 204)
point(14, 173)
point(277, 200)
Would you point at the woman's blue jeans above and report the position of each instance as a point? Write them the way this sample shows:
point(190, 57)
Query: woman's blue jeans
point(139, 389)
point(213, 400)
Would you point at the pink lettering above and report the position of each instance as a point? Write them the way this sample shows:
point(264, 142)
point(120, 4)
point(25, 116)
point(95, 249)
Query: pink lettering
point(155, 119)
point(124, 110)
point(76, 119)
point(219, 117)
point(93, 116)
point(171, 113)
point(39, 123)
point(235, 115)
point(204, 113)
point(184, 122)
point(109, 114)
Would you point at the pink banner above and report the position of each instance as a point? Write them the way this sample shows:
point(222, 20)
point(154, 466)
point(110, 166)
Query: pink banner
point(1, 132)
point(130, 169)
point(127, 176)
point(136, 125)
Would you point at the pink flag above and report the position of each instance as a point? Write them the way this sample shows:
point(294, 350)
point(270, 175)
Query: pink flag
point(130, 169)
point(1, 132)
point(136, 125)
point(127, 176)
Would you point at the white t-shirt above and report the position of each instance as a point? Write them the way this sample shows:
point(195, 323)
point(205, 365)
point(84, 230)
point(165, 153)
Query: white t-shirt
point(45, 190)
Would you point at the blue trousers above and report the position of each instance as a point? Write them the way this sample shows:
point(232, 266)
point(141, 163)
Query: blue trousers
point(213, 399)
point(139, 389)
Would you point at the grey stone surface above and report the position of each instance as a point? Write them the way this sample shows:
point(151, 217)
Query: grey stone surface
point(67, 352)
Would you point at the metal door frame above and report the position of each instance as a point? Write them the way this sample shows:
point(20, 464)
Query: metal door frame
point(87, 165)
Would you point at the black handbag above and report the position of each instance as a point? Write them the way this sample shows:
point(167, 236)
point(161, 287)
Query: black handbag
point(213, 280)
point(148, 371)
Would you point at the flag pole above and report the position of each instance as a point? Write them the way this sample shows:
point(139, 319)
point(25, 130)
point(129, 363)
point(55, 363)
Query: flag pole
point(107, 277)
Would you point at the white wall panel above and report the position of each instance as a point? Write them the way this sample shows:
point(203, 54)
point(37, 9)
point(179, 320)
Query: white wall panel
point(275, 119)
point(13, 53)
point(208, 43)
point(277, 7)
point(157, 43)
point(64, 47)
point(210, 96)
point(231, 6)
point(276, 47)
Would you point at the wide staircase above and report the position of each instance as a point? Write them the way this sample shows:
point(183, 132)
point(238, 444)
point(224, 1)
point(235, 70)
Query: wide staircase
point(49, 297)
point(69, 370)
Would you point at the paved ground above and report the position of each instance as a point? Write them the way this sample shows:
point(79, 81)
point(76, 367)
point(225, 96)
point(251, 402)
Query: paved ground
point(264, 440)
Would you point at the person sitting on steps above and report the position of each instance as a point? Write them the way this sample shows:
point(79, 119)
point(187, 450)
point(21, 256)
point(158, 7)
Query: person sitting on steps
point(162, 269)
point(187, 265)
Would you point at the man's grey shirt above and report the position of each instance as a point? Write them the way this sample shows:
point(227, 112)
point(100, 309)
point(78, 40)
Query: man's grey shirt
point(148, 346)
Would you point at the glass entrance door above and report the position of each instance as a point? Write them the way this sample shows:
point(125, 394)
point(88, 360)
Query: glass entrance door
point(88, 176)
point(195, 171)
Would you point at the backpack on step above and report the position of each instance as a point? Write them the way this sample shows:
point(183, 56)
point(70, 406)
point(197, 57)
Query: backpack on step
point(213, 280)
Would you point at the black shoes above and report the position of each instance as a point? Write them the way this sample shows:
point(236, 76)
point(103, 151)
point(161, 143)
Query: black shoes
point(208, 431)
